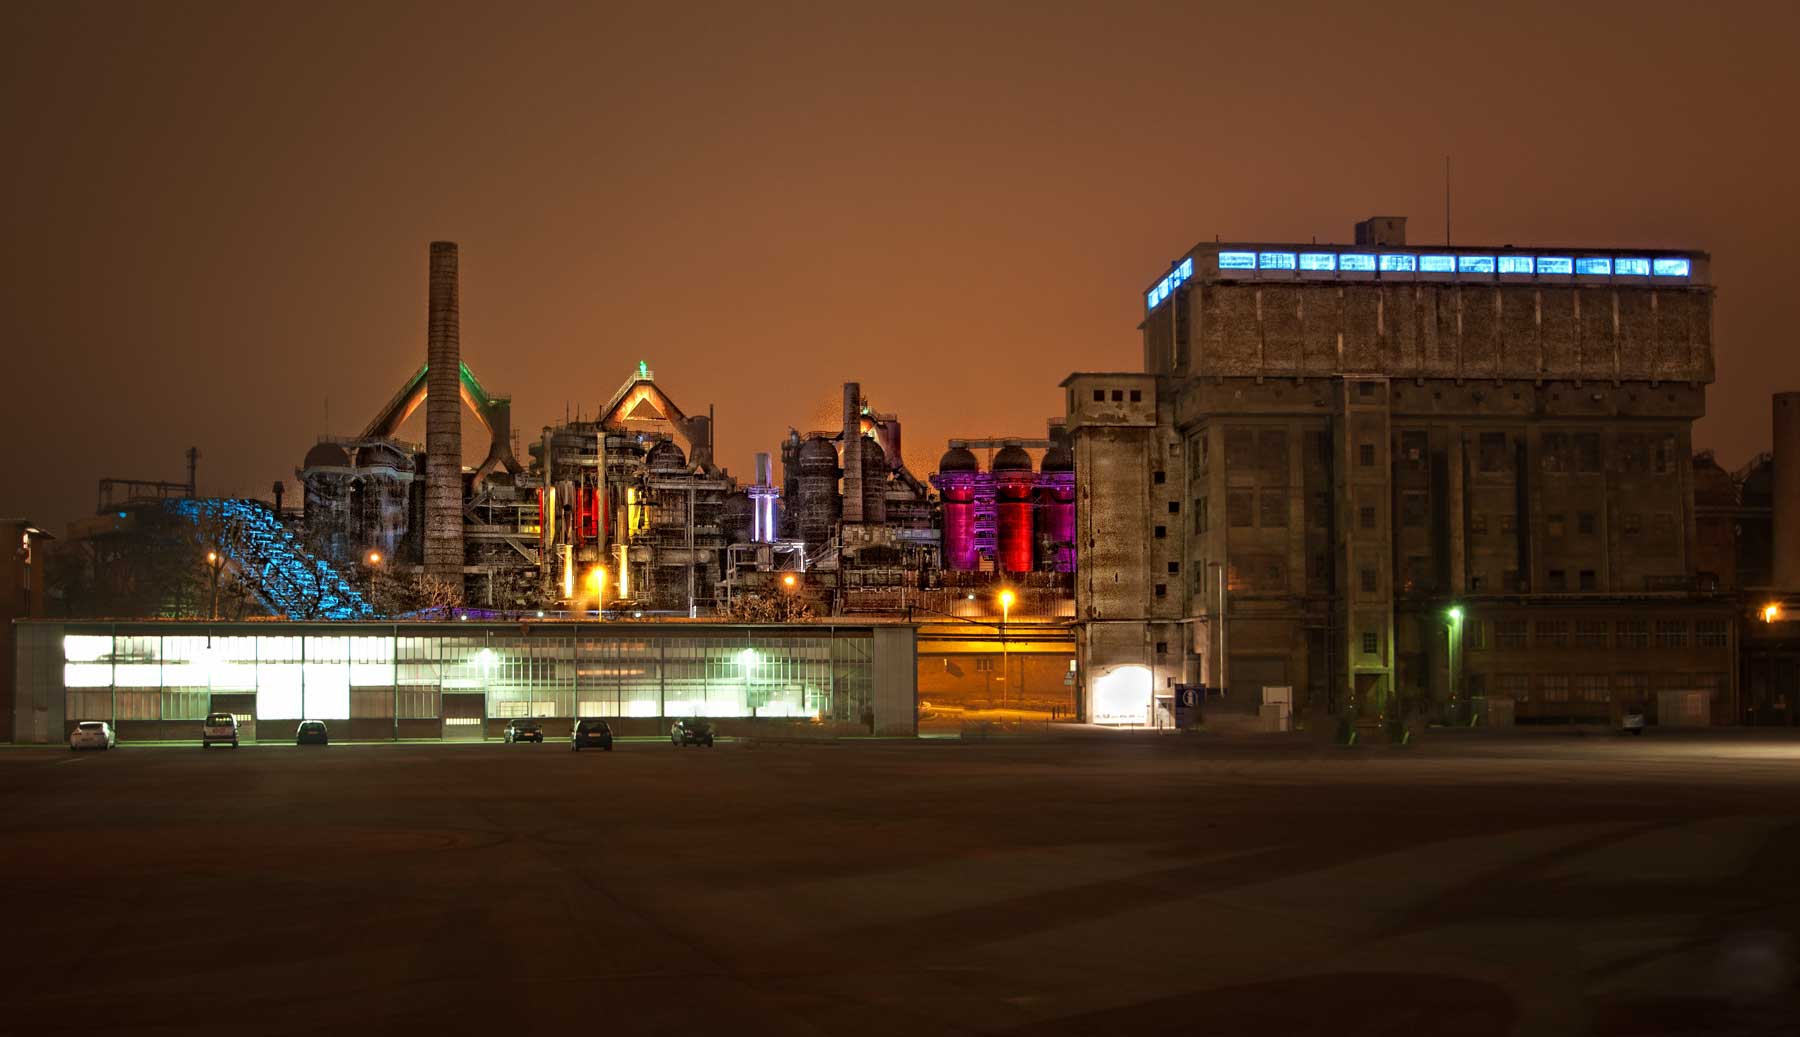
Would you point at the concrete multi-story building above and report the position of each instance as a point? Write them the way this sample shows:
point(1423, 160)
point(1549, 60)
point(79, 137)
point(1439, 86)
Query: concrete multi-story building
point(1402, 481)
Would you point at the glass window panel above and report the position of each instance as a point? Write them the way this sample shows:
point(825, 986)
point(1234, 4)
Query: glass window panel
point(1437, 264)
point(1275, 260)
point(1670, 267)
point(87, 675)
point(86, 648)
point(1593, 265)
point(1515, 264)
point(1395, 262)
point(1631, 266)
point(1237, 261)
point(1555, 265)
point(1474, 264)
point(1318, 261)
point(1360, 261)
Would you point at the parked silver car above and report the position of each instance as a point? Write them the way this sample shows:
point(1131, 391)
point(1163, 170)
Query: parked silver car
point(92, 734)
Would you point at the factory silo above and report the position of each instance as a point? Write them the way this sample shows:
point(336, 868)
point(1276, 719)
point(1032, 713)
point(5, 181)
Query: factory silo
point(874, 483)
point(788, 523)
point(956, 477)
point(443, 422)
point(820, 507)
point(1014, 484)
point(1056, 510)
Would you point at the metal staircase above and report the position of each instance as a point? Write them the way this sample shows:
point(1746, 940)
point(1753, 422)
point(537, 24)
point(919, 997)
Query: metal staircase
point(291, 580)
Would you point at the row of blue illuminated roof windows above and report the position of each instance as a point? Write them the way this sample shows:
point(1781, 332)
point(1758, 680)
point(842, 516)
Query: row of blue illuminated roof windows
point(1405, 262)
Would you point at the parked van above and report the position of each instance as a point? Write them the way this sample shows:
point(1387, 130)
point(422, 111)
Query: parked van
point(219, 727)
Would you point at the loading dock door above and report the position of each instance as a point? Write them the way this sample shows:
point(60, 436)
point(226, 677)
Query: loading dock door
point(464, 714)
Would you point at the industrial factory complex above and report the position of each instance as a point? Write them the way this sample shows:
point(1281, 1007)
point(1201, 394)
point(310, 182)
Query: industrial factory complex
point(1373, 484)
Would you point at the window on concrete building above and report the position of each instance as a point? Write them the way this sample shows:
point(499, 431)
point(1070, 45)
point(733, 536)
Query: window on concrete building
point(1559, 581)
point(1493, 452)
point(1554, 452)
point(1200, 519)
point(1174, 507)
point(1159, 477)
point(1365, 455)
point(1665, 454)
point(1137, 396)
point(984, 664)
point(1415, 451)
point(1510, 583)
point(1366, 517)
point(1555, 525)
point(1551, 633)
point(1365, 388)
point(1368, 581)
point(1590, 633)
point(1555, 687)
point(1509, 523)
point(1631, 633)
point(1509, 633)
point(1272, 576)
point(1162, 590)
point(1272, 454)
point(1118, 395)
point(1588, 580)
point(1099, 395)
point(1474, 632)
point(1318, 572)
point(1240, 508)
point(1587, 451)
point(1478, 524)
point(1162, 648)
point(1709, 633)
point(1174, 568)
point(1662, 526)
point(1371, 644)
point(1162, 532)
point(1632, 687)
point(1515, 686)
point(1671, 633)
point(1240, 449)
point(1274, 510)
point(1477, 582)
point(1631, 524)
point(1415, 508)
point(1584, 523)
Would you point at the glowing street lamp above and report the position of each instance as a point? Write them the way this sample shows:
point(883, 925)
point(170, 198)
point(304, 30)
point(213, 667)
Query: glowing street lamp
point(1771, 612)
point(597, 582)
point(788, 581)
point(1006, 599)
point(1455, 615)
point(215, 562)
point(374, 558)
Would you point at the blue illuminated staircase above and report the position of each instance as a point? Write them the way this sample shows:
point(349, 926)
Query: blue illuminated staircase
point(291, 580)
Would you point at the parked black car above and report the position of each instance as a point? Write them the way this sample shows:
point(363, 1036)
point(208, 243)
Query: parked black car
point(312, 732)
point(525, 731)
point(591, 734)
point(692, 731)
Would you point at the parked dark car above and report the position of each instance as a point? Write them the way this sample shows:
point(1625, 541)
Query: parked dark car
point(525, 731)
point(591, 734)
point(312, 732)
point(692, 731)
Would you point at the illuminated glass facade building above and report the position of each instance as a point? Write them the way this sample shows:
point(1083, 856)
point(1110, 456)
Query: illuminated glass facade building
point(459, 680)
point(1404, 481)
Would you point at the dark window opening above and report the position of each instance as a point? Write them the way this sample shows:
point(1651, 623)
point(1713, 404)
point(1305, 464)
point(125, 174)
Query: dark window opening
point(1162, 532)
point(1137, 396)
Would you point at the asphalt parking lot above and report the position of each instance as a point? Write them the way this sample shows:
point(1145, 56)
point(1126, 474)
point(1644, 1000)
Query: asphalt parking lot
point(1526, 885)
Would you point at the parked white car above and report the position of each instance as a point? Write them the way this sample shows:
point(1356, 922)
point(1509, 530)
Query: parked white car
point(219, 727)
point(92, 734)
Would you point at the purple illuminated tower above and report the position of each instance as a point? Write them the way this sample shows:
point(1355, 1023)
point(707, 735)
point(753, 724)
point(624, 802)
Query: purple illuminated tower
point(957, 474)
point(1056, 510)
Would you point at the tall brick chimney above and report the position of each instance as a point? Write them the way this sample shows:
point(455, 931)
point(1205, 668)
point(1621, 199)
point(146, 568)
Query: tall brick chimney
point(443, 422)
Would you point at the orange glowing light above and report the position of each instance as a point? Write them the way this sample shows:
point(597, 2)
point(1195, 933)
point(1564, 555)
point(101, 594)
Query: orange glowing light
point(1771, 612)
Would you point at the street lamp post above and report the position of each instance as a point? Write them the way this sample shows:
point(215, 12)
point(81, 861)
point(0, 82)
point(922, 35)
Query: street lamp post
point(1455, 615)
point(1006, 600)
point(215, 562)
